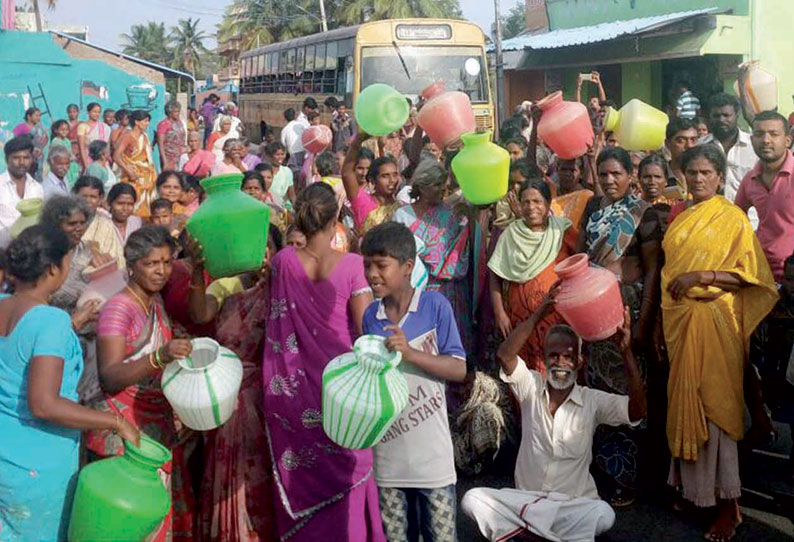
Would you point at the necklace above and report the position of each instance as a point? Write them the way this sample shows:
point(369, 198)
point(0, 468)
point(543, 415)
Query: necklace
point(34, 297)
point(138, 299)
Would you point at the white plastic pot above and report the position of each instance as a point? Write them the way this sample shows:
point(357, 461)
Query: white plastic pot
point(202, 389)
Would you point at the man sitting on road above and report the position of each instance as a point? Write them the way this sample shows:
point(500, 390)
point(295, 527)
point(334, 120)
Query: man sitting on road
point(556, 497)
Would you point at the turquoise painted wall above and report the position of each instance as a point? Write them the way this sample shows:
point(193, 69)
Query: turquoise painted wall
point(575, 13)
point(28, 60)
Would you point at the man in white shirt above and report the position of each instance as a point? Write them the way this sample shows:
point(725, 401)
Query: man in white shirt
point(54, 184)
point(734, 143)
point(291, 139)
point(556, 497)
point(16, 184)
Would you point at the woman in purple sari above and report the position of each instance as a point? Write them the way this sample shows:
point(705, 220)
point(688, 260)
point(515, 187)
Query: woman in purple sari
point(318, 297)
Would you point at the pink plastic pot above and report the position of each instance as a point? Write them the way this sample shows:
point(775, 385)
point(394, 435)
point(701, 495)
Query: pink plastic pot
point(446, 115)
point(317, 139)
point(565, 126)
point(589, 298)
point(105, 282)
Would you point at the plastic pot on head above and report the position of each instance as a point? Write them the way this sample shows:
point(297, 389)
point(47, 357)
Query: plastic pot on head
point(446, 116)
point(317, 139)
point(565, 126)
point(637, 126)
point(381, 110)
point(758, 91)
point(482, 169)
point(589, 298)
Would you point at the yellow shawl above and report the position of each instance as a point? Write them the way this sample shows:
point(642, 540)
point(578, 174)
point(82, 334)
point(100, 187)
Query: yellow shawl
point(708, 332)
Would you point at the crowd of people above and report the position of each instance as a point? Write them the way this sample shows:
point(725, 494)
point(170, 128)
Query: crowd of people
point(374, 236)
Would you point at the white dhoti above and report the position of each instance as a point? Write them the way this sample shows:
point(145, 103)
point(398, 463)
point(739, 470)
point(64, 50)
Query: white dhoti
point(504, 513)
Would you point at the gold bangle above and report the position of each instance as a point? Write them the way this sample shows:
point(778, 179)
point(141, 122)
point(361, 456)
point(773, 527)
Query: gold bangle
point(150, 357)
point(118, 422)
point(714, 279)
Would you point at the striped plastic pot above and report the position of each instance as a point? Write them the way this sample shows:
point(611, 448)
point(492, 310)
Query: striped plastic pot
point(202, 389)
point(363, 393)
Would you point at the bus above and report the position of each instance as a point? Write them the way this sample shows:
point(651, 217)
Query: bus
point(407, 54)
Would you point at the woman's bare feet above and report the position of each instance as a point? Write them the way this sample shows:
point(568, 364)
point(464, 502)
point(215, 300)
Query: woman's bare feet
point(729, 518)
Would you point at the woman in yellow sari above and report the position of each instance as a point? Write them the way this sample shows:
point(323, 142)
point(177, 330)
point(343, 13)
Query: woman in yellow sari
point(133, 155)
point(716, 288)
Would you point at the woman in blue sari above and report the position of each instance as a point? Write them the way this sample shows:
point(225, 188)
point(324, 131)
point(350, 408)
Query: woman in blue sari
point(40, 419)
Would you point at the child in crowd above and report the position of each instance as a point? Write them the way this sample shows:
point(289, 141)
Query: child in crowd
point(414, 462)
point(162, 215)
point(99, 152)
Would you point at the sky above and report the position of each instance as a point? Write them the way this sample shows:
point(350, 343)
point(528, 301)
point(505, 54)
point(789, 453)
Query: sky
point(107, 19)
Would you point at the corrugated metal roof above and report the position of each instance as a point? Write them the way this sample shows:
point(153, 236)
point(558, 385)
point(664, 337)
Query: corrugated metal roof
point(567, 37)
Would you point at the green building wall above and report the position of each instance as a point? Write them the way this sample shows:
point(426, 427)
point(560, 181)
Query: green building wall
point(772, 45)
point(575, 13)
point(32, 63)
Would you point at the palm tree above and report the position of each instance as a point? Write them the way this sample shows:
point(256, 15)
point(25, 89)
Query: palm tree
point(187, 44)
point(37, 11)
point(360, 11)
point(148, 42)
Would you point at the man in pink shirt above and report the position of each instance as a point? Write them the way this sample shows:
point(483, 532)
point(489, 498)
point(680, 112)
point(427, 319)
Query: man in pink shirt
point(769, 187)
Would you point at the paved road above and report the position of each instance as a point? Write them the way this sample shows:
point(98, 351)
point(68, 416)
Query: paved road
point(765, 497)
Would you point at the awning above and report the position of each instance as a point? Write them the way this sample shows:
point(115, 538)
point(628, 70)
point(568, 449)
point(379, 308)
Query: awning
point(583, 35)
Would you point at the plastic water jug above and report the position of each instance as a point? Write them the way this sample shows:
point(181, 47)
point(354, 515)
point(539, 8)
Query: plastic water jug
point(758, 91)
point(482, 169)
point(565, 126)
point(29, 210)
point(317, 139)
point(121, 499)
point(446, 116)
point(637, 126)
point(231, 227)
point(105, 282)
point(202, 389)
point(589, 298)
point(381, 110)
point(363, 393)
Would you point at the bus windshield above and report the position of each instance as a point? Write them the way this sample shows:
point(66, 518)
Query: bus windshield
point(461, 68)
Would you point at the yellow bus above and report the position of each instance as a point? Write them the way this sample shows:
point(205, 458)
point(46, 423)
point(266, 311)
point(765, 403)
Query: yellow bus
point(408, 54)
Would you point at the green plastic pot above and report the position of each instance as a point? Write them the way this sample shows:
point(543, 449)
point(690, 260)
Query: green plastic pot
point(381, 110)
point(231, 226)
point(121, 499)
point(482, 169)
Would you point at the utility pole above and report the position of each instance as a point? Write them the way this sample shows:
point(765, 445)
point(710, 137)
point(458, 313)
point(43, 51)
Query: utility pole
point(500, 68)
point(322, 16)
